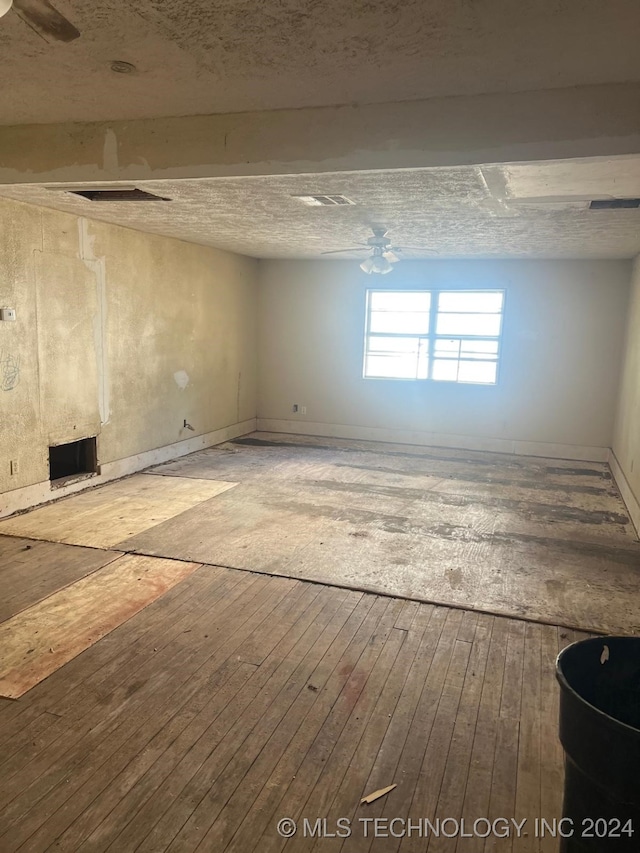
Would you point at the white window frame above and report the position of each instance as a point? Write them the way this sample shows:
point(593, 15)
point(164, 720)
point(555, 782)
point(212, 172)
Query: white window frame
point(431, 337)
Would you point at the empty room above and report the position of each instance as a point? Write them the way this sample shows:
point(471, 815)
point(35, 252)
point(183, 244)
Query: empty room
point(319, 426)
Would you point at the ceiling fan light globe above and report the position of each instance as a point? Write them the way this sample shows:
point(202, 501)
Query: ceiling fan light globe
point(380, 265)
point(367, 266)
point(5, 6)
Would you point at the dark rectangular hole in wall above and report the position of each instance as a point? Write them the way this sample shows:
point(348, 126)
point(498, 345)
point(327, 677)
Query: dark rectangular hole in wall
point(614, 203)
point(118, 195)
point(73, 459)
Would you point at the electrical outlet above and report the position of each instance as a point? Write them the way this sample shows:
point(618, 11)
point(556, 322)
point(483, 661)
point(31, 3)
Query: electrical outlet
point(295, 407)
point(303, 410)
point(14, 467)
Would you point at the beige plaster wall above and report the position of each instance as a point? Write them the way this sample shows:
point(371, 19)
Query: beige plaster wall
point(563, 330)
point(626, 442)
point(119, 334)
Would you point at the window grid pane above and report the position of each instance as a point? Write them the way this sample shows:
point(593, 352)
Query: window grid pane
point(400, 322)
point(482, 325)
point(470, 302)
point(397, 357)
point(400, 300)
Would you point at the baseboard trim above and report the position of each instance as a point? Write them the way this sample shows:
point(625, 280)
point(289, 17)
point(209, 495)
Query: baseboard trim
point(631, 501)
point(432, 439)
point(39, 493)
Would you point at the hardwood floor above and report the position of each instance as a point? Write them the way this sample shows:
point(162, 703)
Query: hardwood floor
point(26, 575)
point(236, 699)
point(322, 619)
point(42, 638)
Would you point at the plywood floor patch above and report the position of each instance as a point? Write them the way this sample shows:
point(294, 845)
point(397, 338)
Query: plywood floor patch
point(101, 517)
point(31, 571)
point(39, 640)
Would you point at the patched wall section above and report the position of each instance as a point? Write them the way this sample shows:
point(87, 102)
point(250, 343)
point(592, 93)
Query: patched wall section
point(105, 319)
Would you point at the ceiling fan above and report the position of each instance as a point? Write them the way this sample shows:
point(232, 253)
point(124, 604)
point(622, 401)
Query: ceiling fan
point(382, 254)
point(43, 18)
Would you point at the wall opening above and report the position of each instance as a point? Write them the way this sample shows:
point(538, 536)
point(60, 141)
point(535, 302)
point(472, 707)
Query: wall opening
point(72, 461)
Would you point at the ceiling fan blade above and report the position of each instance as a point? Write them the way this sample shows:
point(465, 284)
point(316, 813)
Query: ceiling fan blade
point(339, 251)
point(411, 249)
point(45, 20)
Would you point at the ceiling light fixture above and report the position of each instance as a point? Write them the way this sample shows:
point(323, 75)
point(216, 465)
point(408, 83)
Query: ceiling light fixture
point(383, 254)
point(377, 263)
point(5, 5)
point(121, 67)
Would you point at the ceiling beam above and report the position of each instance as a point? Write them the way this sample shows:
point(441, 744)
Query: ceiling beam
point(552, 124)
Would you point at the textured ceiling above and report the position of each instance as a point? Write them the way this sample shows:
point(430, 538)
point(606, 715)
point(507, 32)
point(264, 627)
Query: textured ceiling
point(518, 210)
point(209, 56)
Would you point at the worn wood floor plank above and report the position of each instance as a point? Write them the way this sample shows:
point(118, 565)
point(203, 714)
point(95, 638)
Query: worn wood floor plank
point(401, 800)
point(139, 753)
point(127, 689)
point(357, 698)
point(479, 778)
point(453, 789)
point(187, 726)
point(348, 720)
point(529, 778)
point(31, 571)
point(551, 776)
point(430, 779)
point(421, 642)
point(69, 774)
point(353, 664)
point(198, 769)
point(85, 674)
point(505, 766)
point(42, 638)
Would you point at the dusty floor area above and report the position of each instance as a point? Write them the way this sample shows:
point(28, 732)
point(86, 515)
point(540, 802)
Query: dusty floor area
point(544, 539)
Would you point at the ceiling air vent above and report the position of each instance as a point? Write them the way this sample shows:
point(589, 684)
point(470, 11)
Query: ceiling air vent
point(614, 203)
point(117, 195)
point(324, 200)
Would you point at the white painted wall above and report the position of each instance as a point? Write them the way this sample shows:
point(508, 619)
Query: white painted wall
point(563, 332)
point(626, 441)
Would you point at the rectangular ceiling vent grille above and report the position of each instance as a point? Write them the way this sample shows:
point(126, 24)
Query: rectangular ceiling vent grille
point(117, 195)
point(614, 203)
point(324, 200)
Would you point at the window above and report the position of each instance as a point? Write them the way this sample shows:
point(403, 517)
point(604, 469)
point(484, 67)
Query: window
point(442, 335)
